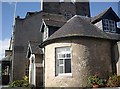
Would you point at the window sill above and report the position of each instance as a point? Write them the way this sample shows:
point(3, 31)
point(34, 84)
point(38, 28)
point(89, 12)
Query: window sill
point(65, 74)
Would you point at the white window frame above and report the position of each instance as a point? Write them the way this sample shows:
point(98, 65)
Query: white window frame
point(109, 25)
point(59, 57)
point(45, 34)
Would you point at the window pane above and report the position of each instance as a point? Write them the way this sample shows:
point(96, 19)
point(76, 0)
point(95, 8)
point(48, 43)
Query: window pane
point(58, 50)
point(59, 55)
point(61, 69)
point(67, 48)
point(109, 25)
point(67, 66)
point(68, 55)
point(63, 56)
point(106, 29)
point(61, 61)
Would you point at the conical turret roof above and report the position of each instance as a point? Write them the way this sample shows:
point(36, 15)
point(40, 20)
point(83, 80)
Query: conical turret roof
point(79, 26)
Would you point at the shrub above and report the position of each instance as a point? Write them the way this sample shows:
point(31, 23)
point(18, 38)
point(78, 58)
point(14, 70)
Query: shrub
point(113, 81)
point(95, 80)
point(20, 83)
point(25, 81)
point(17, 83)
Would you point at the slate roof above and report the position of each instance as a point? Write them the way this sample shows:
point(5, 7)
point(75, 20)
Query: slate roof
point(79, 26)
point(35, 47)
point(54, 23)
point(101, 15)
point(54, 17)
point(31, 13)
point(54, 20)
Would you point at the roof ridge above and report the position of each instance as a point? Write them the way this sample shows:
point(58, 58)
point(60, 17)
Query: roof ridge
point(77, 16)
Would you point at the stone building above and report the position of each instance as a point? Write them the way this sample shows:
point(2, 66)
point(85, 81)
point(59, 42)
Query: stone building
point(74, 45)
point(5, 68)
point(28, 29)
point(35, 56)
point(82, 47)
point(119, 11)
point(24, 30)
point(67, 9)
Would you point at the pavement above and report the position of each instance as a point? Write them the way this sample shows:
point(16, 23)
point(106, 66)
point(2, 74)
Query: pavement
point(3, 86)
point(0, 87)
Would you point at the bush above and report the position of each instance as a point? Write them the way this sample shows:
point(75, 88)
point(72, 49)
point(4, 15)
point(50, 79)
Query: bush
point(26, 81)
point(20, 83)
point(95, 80)
point(113, 81)
point(17, 83)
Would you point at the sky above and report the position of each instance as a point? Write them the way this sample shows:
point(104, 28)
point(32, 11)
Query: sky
point(7, 16)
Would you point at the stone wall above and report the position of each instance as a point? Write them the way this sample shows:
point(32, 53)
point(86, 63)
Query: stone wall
point(25, 30)
point(67, 8)
point(118, 58)
point(83, 8)
point(89, 56)
point(39, 76)
point(39, 70)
